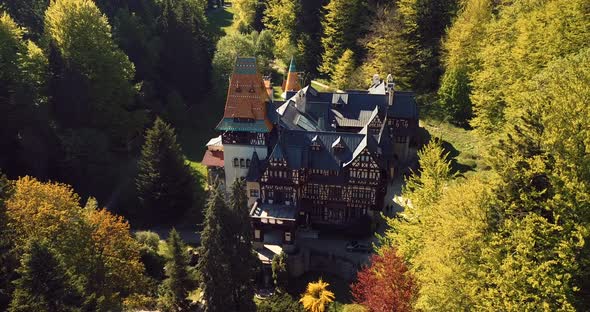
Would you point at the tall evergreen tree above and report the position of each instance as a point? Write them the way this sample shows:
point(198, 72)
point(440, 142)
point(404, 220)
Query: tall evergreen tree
point(184, 65)
point(214, 264)
point(343, 25)
point(243, 260)
point(174, 291)
point(164, 183)
point(44, 284)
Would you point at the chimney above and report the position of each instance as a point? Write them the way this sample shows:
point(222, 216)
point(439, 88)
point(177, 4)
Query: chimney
point(390, 89)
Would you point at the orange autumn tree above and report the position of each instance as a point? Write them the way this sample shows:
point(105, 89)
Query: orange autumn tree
point(95, 245)
point(115, 249)
point(385, 285)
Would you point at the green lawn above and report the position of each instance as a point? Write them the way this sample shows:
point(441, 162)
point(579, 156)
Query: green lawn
point(464, 146)
point(321, 88)
point(220, 21)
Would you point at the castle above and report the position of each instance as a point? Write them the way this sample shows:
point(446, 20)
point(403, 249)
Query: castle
point(318, 159)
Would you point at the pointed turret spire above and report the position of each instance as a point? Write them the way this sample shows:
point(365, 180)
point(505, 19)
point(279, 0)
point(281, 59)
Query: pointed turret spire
point(292, 65)
point(292, 82)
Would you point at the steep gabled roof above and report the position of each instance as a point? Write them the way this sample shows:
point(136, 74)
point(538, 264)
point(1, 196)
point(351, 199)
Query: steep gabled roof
point(246, 99)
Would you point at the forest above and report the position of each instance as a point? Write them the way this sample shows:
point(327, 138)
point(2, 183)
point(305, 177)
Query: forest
point(105, 108)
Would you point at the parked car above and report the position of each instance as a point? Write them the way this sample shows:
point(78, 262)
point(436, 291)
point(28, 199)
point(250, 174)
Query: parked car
point(355, 246)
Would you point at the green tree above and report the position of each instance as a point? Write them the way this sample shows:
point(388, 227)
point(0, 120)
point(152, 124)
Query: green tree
point(185, 58)
point(44, 284)
point(344, 24)
point(343, 71)
point(164, 183)
point(280, 276)
point(90, 54)
point(242, 257)
point(174, 291)
point(214, 266)
point(454, 95)
point(279, 303)
point(28, 14)
point(245, 14)
point(461, 48)
point(422, 189)
point(517, 45)
point(280, 17)
point(389, 48)
point(24, 126)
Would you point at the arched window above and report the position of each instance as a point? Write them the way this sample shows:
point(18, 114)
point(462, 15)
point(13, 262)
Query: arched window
point(236, 162)
point(242, 163)
point(247, 163)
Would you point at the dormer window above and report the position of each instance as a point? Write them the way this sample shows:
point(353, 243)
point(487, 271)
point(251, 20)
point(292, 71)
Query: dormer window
point(315, 144)
point(338, 145)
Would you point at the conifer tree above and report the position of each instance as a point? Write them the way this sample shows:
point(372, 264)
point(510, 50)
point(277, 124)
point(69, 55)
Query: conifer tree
point(243, 260)
point(214, 267)
point(164, 182)
point(343, 26)
point(44, 284)
point(174, 291)
point(343, 70)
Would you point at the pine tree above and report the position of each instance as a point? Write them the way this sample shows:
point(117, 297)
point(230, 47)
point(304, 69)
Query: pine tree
point(243, 261)
point(343, 70)
point(164, 182)
point(174, 291)
point(44, 284)
point(185, 58)
point(343, 25)
point(214, 264)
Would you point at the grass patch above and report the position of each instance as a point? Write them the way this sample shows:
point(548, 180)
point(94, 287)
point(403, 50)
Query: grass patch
point(220, 20)
point(463, 145)
point(201, 170)
point(319, 85)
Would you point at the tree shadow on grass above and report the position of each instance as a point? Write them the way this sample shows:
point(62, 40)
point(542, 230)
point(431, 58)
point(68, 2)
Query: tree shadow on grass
point(453, 153)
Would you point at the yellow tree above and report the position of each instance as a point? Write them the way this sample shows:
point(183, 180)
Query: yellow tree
point(96, 246)
point(317, 296)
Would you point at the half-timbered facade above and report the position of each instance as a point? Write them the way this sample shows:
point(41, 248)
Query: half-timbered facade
point(318, 158)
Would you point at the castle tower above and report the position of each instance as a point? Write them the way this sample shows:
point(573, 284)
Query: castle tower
point(292, 82)
point(245, 125)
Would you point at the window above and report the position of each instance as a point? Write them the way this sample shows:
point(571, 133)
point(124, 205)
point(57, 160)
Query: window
point(287, 236)
point(247, 163)
point(257, 234)
point(254, 193)
point(236, 162)
point(242, 163)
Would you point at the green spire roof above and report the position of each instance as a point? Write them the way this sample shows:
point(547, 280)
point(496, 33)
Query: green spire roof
point(292, 66)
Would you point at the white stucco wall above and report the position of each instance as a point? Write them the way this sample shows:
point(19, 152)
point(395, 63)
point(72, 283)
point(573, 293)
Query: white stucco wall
point(231, 151)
